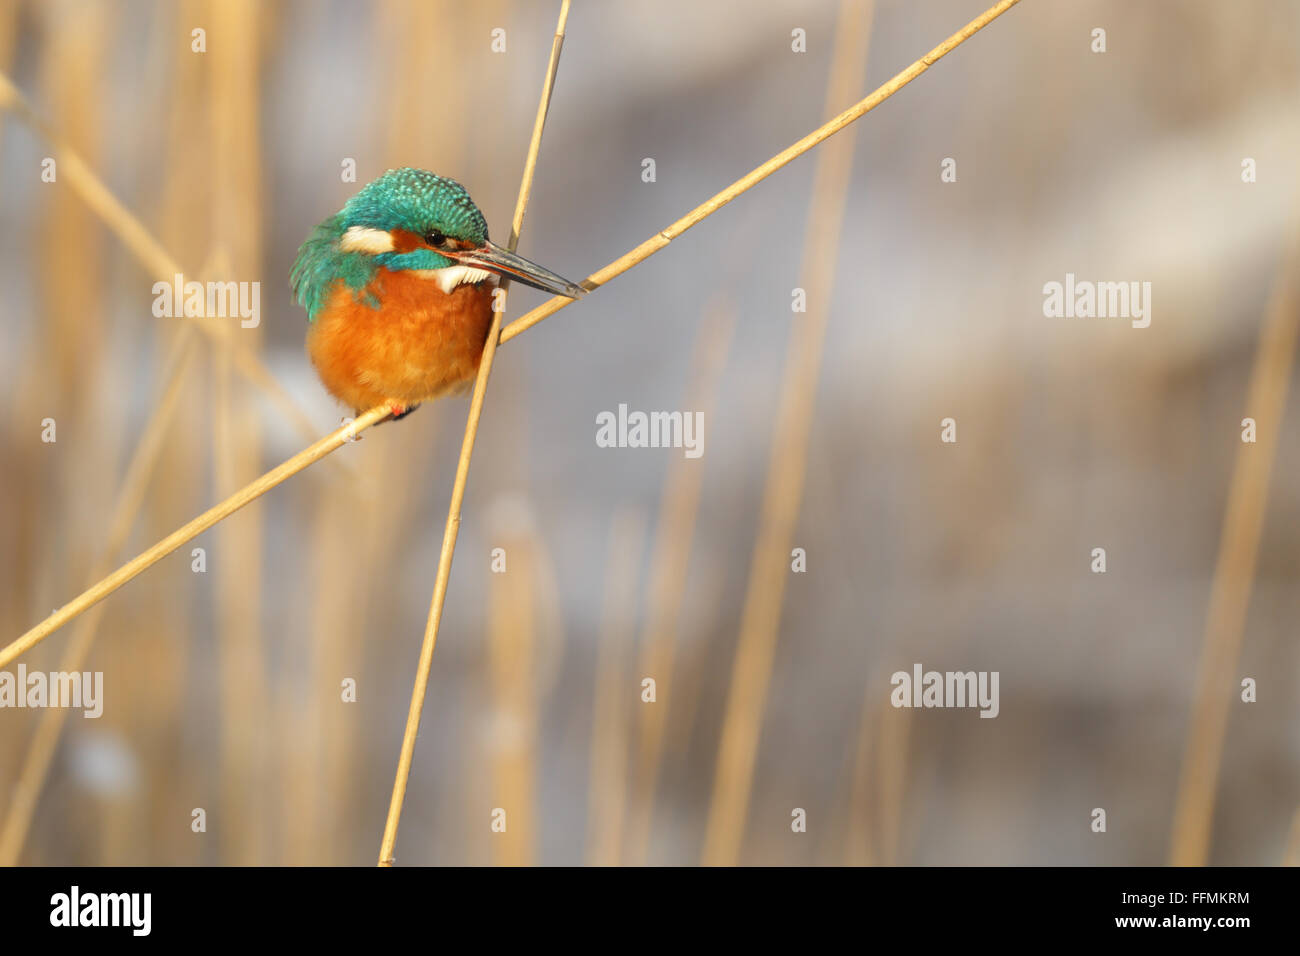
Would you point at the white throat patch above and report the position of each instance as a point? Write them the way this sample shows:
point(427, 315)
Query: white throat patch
point(453, 276)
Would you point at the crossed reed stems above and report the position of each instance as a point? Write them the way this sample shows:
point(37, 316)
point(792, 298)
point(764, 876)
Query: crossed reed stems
point(1242, 523)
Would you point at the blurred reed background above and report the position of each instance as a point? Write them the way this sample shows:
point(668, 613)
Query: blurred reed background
point(223, 688)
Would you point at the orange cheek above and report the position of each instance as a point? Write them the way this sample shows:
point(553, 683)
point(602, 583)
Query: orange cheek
point(405, 241)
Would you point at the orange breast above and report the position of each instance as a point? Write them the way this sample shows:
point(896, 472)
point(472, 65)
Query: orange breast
point(420, 343)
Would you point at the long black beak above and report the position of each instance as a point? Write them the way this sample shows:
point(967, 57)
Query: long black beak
point(492, 257)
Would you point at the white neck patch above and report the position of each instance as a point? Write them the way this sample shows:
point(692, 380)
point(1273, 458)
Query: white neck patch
point(365, 239)
point(452, 276)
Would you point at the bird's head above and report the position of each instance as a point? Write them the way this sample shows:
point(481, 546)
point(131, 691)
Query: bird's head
point(413, 219)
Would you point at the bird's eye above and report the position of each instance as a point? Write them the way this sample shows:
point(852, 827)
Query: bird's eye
point(434, 238)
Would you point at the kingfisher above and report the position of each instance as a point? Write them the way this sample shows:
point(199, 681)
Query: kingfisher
point(398, 287)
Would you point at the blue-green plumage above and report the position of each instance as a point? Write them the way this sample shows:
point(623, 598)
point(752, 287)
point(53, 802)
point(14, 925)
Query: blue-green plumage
point(321, 263)
point(412, 200)
point(418, 201)
point(397, 290)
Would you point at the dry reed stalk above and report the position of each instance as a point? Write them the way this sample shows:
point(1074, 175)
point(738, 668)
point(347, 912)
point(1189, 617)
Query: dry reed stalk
point(330, 443)
point(74, 321)
point(841, 839)
point(761, 616)
point(859, 848)
point(157, 262)
point(320, 745)
point(8, 36)
point(523, 638)
point(642, 252)
point(667, 587)
point(299, 712)
point(235, 218)
point(317, 750)
point(452, 528)
point(62, 378)
point(512, 643)
point(1234, 571)
point(1291, 856)
point(876, 792)
point(707, 208)
point(146, 559)
point(420, 55)
point(242, 678)
point(891, 780)
point(10, 608)
point(152, 665)
point(607, 778)
point(155, 661)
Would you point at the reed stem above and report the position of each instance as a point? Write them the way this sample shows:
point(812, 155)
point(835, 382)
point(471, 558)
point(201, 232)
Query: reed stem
point(452, 528)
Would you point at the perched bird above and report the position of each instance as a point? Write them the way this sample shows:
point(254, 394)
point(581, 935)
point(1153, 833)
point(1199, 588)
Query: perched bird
point(398, 291)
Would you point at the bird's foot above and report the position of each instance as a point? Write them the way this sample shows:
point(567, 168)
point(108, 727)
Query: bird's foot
point(397, 411)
